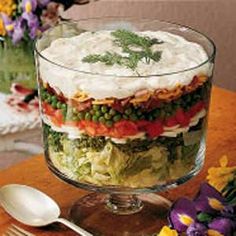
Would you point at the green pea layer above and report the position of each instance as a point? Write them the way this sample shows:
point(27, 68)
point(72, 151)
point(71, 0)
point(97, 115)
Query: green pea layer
point(107, 115)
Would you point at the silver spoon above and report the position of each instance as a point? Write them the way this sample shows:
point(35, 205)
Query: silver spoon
point(32, 207)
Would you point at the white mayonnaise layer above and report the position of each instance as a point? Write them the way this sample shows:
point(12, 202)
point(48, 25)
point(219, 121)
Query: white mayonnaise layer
point(116, 81)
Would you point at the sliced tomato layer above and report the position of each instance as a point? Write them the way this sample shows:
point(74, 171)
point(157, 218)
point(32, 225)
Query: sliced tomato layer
point(171, 121)
point(125, 128)
point(182, 117)
point(154, 129)
point(48, 109)
point(57, 118)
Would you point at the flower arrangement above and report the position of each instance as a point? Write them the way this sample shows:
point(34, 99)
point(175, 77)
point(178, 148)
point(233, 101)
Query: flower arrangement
point(25, 19)
point(213, 210)
point(20, 22)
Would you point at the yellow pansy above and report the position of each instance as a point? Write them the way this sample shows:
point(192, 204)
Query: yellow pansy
point(185, 219)
point(167, 231)
point(7, 6)
point(2, 28)
point(212, 232)
point(215, 204)
point(28, 7)
point(219, 177)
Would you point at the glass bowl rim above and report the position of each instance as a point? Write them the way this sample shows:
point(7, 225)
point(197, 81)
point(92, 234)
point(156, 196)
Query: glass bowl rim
point(71, 21)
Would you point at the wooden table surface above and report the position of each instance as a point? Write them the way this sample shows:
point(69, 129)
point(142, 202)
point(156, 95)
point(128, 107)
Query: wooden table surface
point(221, 139)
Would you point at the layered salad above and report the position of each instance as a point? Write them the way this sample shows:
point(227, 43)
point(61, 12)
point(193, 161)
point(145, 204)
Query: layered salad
point(124, 108)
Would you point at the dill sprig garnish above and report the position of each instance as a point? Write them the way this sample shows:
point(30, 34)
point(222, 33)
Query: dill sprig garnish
point(136, 48)
point(109, 58)
point(125, 38)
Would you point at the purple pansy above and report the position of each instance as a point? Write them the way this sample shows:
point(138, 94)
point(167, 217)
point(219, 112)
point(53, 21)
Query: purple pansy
point(228, 212)
point(197, 229)
point(18, 32)
point(209, 214)
point(222, 225)
point(29, 5)
point(30, 18)
point(209, 200)
point(33, 32)
point(182, 214)
point(32, 22)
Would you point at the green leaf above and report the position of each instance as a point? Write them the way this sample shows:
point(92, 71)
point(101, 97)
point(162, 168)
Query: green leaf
point(204, 217)
point(229, 191)
point(156, 56)
point(128, 38)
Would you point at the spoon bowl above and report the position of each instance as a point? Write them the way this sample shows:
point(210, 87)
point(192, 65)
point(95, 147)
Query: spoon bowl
point(28, 205)
point(32, 207)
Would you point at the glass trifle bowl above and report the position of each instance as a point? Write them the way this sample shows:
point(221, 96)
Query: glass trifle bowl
point(124, 106)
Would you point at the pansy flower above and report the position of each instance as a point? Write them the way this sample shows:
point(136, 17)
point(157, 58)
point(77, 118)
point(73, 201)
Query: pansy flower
point(197, 229)
point(219, 177)
point(18, 32)
point(209, 200)
point(8, 7)
point(220, 227)
point(167, 231)
point(32, 22)
point(29, 5)
point(8, 23)
point(2, 28)
point(182, 214)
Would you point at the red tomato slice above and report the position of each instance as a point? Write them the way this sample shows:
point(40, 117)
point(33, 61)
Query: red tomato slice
point(89, 127)
point(57, 118)
point(196, 108)
point(90, 130)
point(126, 128)
point(142, 124)
point(48, 109)
point(171, 121)
point(182, 117)
point(91, 124)
point(154, 129)
point(82, 124)
point(102, 129)
point(199, 106)
point(191, 112)
point(114, 132)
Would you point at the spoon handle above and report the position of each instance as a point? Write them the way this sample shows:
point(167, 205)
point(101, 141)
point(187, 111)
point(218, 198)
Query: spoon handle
point(74, 227)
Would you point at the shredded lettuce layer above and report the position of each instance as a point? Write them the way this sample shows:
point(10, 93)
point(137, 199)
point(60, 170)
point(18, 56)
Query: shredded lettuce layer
point(102, 162)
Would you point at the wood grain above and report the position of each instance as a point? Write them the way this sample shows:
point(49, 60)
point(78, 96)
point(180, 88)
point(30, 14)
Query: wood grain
point(221, 140)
